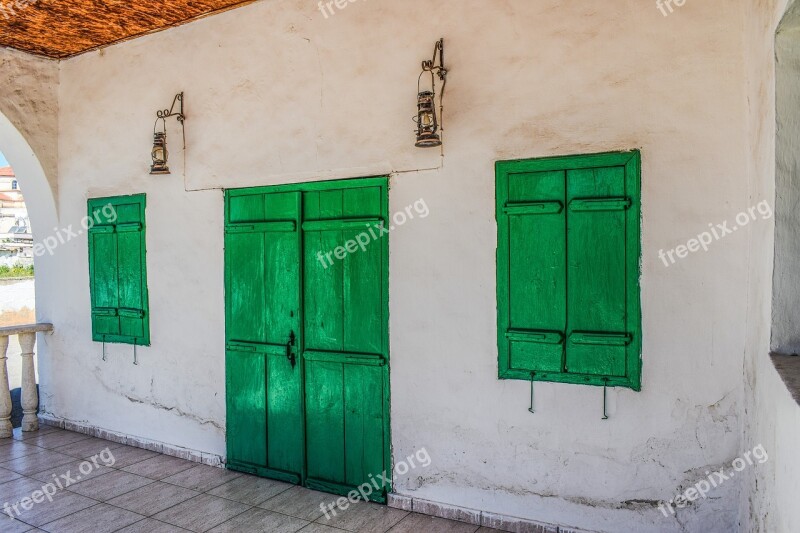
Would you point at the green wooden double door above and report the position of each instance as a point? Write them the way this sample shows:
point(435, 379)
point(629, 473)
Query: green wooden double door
point(307, 333)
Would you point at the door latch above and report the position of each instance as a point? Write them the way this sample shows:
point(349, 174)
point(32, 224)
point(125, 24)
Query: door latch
point(290, 350)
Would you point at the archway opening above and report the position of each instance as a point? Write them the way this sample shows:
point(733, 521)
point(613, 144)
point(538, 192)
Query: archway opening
point(786, 277)
point(27, 211)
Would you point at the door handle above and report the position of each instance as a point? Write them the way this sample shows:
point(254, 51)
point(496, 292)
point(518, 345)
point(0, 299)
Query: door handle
point(290, 355)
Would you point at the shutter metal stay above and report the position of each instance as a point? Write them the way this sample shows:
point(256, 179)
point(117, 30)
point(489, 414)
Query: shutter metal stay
point(530, 409)
point(104, 348)
point(135, 357)
point(605, 392)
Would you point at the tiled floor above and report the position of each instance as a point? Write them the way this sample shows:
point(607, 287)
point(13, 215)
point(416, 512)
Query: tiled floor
point(145, 492)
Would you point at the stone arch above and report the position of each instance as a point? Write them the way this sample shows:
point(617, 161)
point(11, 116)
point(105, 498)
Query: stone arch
point(31, 176)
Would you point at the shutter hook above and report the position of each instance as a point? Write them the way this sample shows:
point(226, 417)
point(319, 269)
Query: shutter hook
point(135, 357)
point(104, 348)
point(605, 391)
point(530, 409)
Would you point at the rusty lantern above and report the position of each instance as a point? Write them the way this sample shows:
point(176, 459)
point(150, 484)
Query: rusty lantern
point(428, 123)
point(159, 153)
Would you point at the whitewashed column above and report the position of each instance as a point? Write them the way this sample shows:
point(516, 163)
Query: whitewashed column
point(6, 429)
point(30, 398)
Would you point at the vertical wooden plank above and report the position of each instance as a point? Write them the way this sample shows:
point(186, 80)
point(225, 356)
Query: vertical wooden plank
point(130, 268)
point(537, 268)
point(325, 421)
point(245, 380)
point(246, 292)
point(262, 307)
point(633, 254)
point(105, 289)
point(323, 282)
point(364, 436)
point(597, 271)
point(362, 277)
point(281, 319)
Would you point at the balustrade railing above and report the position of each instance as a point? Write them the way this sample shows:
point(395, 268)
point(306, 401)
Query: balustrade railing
point(30, 396)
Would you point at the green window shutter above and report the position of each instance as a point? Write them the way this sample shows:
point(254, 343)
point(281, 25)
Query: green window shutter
point(536, 270)
point(568, 269)
point(117, 270)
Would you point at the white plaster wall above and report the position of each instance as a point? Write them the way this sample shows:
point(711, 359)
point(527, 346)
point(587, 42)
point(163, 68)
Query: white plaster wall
point(773, 417)
point(275, 93)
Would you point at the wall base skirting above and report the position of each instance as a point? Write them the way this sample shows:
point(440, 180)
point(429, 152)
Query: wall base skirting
point(396, 501)
point(475, 517)
point(205, 458)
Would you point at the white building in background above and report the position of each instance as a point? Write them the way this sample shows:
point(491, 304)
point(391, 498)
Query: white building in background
point(16, 240)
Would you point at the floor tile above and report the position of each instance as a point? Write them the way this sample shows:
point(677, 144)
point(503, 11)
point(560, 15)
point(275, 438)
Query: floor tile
point(250, 490)
point(364, 517)
point(201, 513)
point(111, 485)
point(202, 478)
point(261, 521)
point(151, 526)
point(299, 502)
point(36, 462)
point(488, 530)
point(14, 490)
point(64, 503)
point(153, 498)
point(100, 518)
point(128, 455)
point(159, 467)
point(26, 435)
point(315, 527)
point(8, 475)
point(14, 449)
point(7, 525)
point(54, 439)
point(87, 448)
point(414, 523)
point(72, 472)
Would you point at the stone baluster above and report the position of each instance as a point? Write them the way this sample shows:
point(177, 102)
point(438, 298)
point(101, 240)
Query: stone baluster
point(6, 430)
point(30, 397)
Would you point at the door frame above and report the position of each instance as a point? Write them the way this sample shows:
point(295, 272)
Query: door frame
point(381, 182)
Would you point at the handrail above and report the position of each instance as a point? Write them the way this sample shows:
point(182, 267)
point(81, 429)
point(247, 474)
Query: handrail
point(25, 328)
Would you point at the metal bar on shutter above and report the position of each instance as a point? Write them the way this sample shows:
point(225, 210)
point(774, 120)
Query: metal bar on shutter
point(539, 337)
point(102, 228)
point(533, 208)
point(129, 227)
point(601, 339)
point(600, 204)
point(281, 226)
point(337, 224)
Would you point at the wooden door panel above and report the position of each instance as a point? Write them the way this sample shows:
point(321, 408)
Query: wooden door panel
point(262, 249)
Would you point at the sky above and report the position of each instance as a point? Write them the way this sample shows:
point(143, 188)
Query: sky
point(3, 162)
